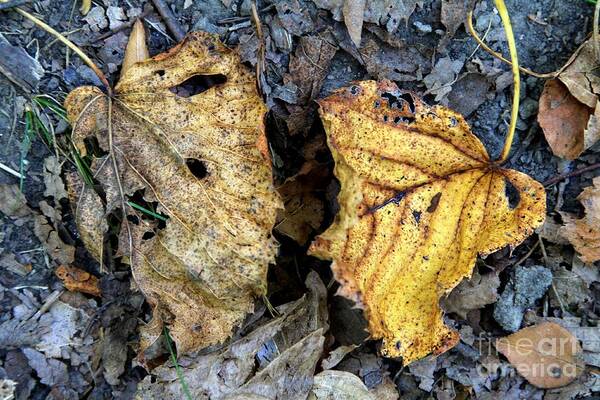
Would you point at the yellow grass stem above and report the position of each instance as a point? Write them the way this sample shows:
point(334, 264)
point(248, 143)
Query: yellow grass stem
point(510, 37)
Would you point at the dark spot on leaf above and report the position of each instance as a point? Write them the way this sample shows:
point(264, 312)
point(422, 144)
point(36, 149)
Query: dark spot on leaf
point(148, 235)
point(160, 72)
point(435, 201)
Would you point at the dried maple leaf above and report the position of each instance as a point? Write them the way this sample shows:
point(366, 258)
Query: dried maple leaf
point(185, 131)
point(547, 355)
point(584, 233)
point(419, 200)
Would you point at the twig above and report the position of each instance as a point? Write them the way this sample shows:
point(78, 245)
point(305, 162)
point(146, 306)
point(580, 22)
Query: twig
point(69, 44)
point(522, 69)
point(556, 179)
point(487, 31)
point(510, 37)
point(47, 304)
point(233, 20)
point(260, 57)
point(10, 171)
point(595, 36)
point(170, 20)
point(128, 24)
point(12, 4)
point(526, 256)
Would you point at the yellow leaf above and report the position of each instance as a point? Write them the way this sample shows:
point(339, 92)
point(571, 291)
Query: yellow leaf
point(183, 136)
point(419, 200)
point(547, 355)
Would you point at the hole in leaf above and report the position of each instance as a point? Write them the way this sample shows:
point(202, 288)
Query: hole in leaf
point(407, 97)
point(512, 194)
point(148, 235)
point(93, 147)
point(403, 102)
point(160, 72)
point(147, 210)
point(417, 216)
point(196, 167)
point(198, 84)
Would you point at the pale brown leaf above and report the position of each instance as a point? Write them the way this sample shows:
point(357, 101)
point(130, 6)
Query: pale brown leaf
point(547, 355)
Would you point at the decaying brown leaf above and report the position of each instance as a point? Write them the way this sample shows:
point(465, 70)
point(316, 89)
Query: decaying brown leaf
point(584, 233)
point(472, 294)
point(339, 385)
point(14, 205)
point(184, 131)
point(303, 209)
point(353, 11)
point(78, 280)
point(564, 120)
point(453, 14)
point(419, 200)
point(570, 122)
point(580, 76)
point(547, 355)
point(276, 360)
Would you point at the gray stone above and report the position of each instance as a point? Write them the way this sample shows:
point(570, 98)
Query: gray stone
point(526, 286)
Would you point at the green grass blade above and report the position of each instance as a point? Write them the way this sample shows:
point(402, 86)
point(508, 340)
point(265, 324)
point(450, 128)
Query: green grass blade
point(52, 105)
point(83, 169)
point(146, 211)
point(25, 145)
point(180, 376)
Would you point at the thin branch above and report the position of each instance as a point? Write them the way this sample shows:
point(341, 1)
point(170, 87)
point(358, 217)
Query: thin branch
point(558, 178)
point(128, 24)
point(500, 57)
point(70, 45)
point(595, 36)
point(170, 20)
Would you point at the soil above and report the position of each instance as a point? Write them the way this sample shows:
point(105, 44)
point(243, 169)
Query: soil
point(547, 33)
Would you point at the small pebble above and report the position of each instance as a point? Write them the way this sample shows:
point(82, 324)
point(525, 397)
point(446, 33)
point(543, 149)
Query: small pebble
point(423, 27)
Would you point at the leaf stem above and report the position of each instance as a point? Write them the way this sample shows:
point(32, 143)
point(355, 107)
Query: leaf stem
point(510, 37)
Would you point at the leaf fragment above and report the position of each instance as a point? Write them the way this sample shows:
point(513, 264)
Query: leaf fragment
point(584, 233)
point(564, 121)
point(547, 355)
point(353, 11)
point(78, 280)
point(419, 200)
point(184, 131)
point(234, 373)
point(136, 49)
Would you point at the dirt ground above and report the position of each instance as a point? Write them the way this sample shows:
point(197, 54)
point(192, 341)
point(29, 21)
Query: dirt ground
point(56, 344)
